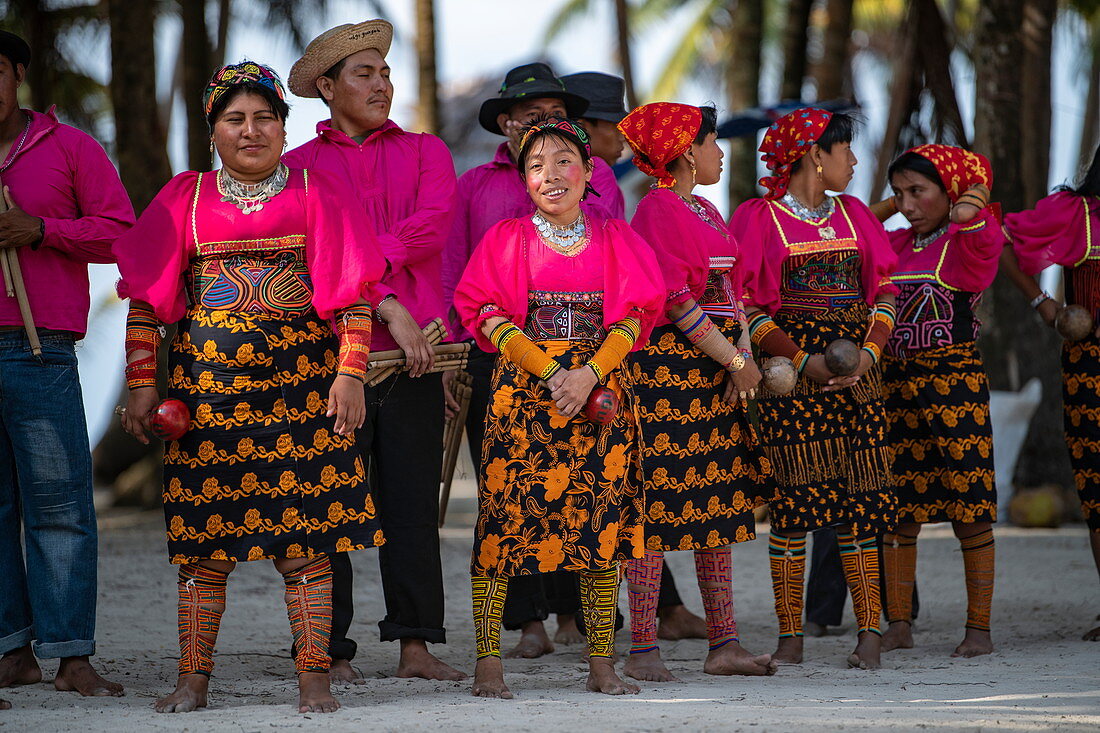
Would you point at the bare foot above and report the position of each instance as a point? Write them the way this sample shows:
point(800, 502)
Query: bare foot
point(5, 705)
point(489, 679)
point(732, 658)
point(788, 651)
point(341, 671)
point(76, 674)
point(898, 636)
point(533, 642)
point(417, 661)
point(867, 653)
point(647, 666)
point(676, 622)
point(974, 644)
point(190, 695)
point(602, 678)
point(568, 633)
point(19, 667)
point(314, 693)
point(1093, 635)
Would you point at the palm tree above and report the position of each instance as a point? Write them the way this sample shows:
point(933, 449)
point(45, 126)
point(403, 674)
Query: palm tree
point(1034, 69)
point(427, 76)
point(572, 10)
point(796, 37)
point(832, 70)
point(743, 82)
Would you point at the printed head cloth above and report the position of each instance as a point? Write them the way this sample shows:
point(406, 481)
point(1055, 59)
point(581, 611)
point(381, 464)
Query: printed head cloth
point(959, 169)
point(559, 124)
point(787, 140)
point(231, 75)
point(661, 132)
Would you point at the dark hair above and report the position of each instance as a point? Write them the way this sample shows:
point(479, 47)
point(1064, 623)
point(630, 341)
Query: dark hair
point(708, 125)
point(550, 132)
point(1089, 183)
point(910, 161)
point(841, 129)
point(278, 106)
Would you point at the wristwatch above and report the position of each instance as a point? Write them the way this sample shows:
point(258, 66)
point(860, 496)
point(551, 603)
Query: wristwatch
point(736, 363)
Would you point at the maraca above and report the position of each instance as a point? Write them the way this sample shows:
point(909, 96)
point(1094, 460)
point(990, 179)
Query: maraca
point(842, 357)
point(779, 375)
point(1074, 322)
point(170, 419)
point(602, 405)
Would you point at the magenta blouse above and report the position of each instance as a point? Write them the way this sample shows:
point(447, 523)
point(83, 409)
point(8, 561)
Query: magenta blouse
point(1062, 229)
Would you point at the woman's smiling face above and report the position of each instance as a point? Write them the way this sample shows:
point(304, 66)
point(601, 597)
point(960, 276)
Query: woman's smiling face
point(556, 175)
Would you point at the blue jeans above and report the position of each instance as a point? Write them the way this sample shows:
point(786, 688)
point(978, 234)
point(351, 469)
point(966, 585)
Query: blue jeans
point(48, 595)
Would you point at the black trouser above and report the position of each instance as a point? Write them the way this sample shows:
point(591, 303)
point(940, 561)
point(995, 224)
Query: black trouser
point(827, 589)
point(402, 442)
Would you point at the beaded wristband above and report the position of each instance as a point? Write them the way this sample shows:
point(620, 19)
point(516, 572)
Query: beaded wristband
point(873, 350)
point(522, 351)
point(620, 339)
point(143, 329)
point(142, 373)
point(353, 329)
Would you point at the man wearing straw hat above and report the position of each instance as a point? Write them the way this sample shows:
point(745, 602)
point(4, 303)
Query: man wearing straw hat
point(63, 205)
point(405, 183)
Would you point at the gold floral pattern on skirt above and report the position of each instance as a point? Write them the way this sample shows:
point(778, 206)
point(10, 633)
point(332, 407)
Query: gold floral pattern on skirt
point(555, 493)
point(1081, 418)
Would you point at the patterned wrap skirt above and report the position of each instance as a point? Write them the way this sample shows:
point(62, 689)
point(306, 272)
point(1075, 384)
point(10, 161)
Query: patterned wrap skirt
point(260, 473)
point(704, 467)
point(829, 450)
point(1081, 405)
point(937, 405)
point(556, 493)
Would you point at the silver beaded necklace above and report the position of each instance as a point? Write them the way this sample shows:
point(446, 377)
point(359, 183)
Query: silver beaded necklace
point(564, 239)
point(921, 241)
point(19, 145)
point(817, 216)
point(250, 197)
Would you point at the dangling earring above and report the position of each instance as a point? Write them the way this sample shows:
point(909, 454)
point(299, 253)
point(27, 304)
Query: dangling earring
point(692, 164)
point(211, 153)
point(819, 172)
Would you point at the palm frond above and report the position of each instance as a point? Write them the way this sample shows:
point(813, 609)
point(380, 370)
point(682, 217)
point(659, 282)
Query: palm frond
point(568, 14)
point(687, 52)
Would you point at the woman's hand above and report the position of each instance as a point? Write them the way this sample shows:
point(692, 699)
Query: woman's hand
point(450, 404)
point(1048, 311)
point(139, 408)
point(742, 384)
point(419, 356)
point(347, 402)
point(573, 389)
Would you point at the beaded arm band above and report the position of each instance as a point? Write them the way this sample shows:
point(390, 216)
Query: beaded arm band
point(143, 333)
point(702, 333)
point(618, 343)
point(353, 329)
point(883, 318)
point(522, 351)
point(771, 338)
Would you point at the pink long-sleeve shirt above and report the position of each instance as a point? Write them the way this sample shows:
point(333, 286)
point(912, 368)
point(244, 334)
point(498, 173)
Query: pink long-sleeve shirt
point(495, 191)
point(405, 183)
point(62, 176)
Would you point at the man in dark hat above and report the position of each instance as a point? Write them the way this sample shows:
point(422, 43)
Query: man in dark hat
point(64, 207)
point(605, 94)
point(488, 194)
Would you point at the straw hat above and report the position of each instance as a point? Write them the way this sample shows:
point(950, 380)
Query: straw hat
point(334, 45)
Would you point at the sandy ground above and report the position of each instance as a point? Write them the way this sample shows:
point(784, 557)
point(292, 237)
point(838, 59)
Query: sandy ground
point(1041, 676)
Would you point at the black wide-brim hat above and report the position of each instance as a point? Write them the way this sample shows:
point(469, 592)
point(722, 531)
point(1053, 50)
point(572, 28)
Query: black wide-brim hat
point(604, 93)
point(15, 48)
point(530, 81)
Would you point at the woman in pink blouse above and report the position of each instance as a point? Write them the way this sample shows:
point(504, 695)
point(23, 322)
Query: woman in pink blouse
point(703, 467)
point(563, 295)
point(937, 393)
point(1064, 229)
point(817, 268)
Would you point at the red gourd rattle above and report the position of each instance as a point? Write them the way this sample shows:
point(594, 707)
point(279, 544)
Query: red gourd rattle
point(170, 419)
point(602, 405)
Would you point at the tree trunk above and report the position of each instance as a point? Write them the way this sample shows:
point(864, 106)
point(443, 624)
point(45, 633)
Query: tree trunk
point(143, 160)
point(796, 36)
point(217, 59)
point(622, 35)
point(196, 73)
point(743, 81)
point(1038, 22)
point(1090, 126)
point(830, 71)
point(41, 35)
point(426, 64)
point(1015, 344)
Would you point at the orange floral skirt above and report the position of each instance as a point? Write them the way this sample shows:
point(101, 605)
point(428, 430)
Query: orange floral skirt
point(556, 493)
point(260, 474)
point(1081, 401)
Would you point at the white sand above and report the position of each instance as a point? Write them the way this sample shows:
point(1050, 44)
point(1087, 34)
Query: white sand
point(1041, 676)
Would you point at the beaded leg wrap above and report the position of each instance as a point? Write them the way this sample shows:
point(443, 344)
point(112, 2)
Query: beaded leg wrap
point(643, 577)
point(860, 561)
point(714, 570)
point(899, 555)
point(599, 601)
point(978, 552)
point(201, 604)
point(787, 558)
point(309, 608)
point(489, 595)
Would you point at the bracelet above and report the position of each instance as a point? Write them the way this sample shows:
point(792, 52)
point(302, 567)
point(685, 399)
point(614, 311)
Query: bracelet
point(378, 309)
point(142, 373)
point(1040, 299)
point(873, 350)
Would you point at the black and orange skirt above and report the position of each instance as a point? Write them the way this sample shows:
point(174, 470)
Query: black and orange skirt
point(1081, 405)
point(260, 473)
point(556, 493)
point(829, 450)
point(703, 465)
point(941, 437)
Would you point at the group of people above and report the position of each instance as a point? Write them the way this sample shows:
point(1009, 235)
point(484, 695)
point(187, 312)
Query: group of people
point(284, 274)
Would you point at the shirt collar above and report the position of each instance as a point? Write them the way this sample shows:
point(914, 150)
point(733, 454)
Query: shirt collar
point(503, 157)
point(326, 130)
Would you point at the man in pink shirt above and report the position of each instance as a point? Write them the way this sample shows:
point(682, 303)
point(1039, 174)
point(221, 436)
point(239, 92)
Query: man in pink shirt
point(405, 183)
point(66, 206)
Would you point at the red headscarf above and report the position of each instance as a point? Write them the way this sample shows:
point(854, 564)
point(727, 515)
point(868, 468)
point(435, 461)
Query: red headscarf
point(959, 169)
point(788, 139)
point(662, 131)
